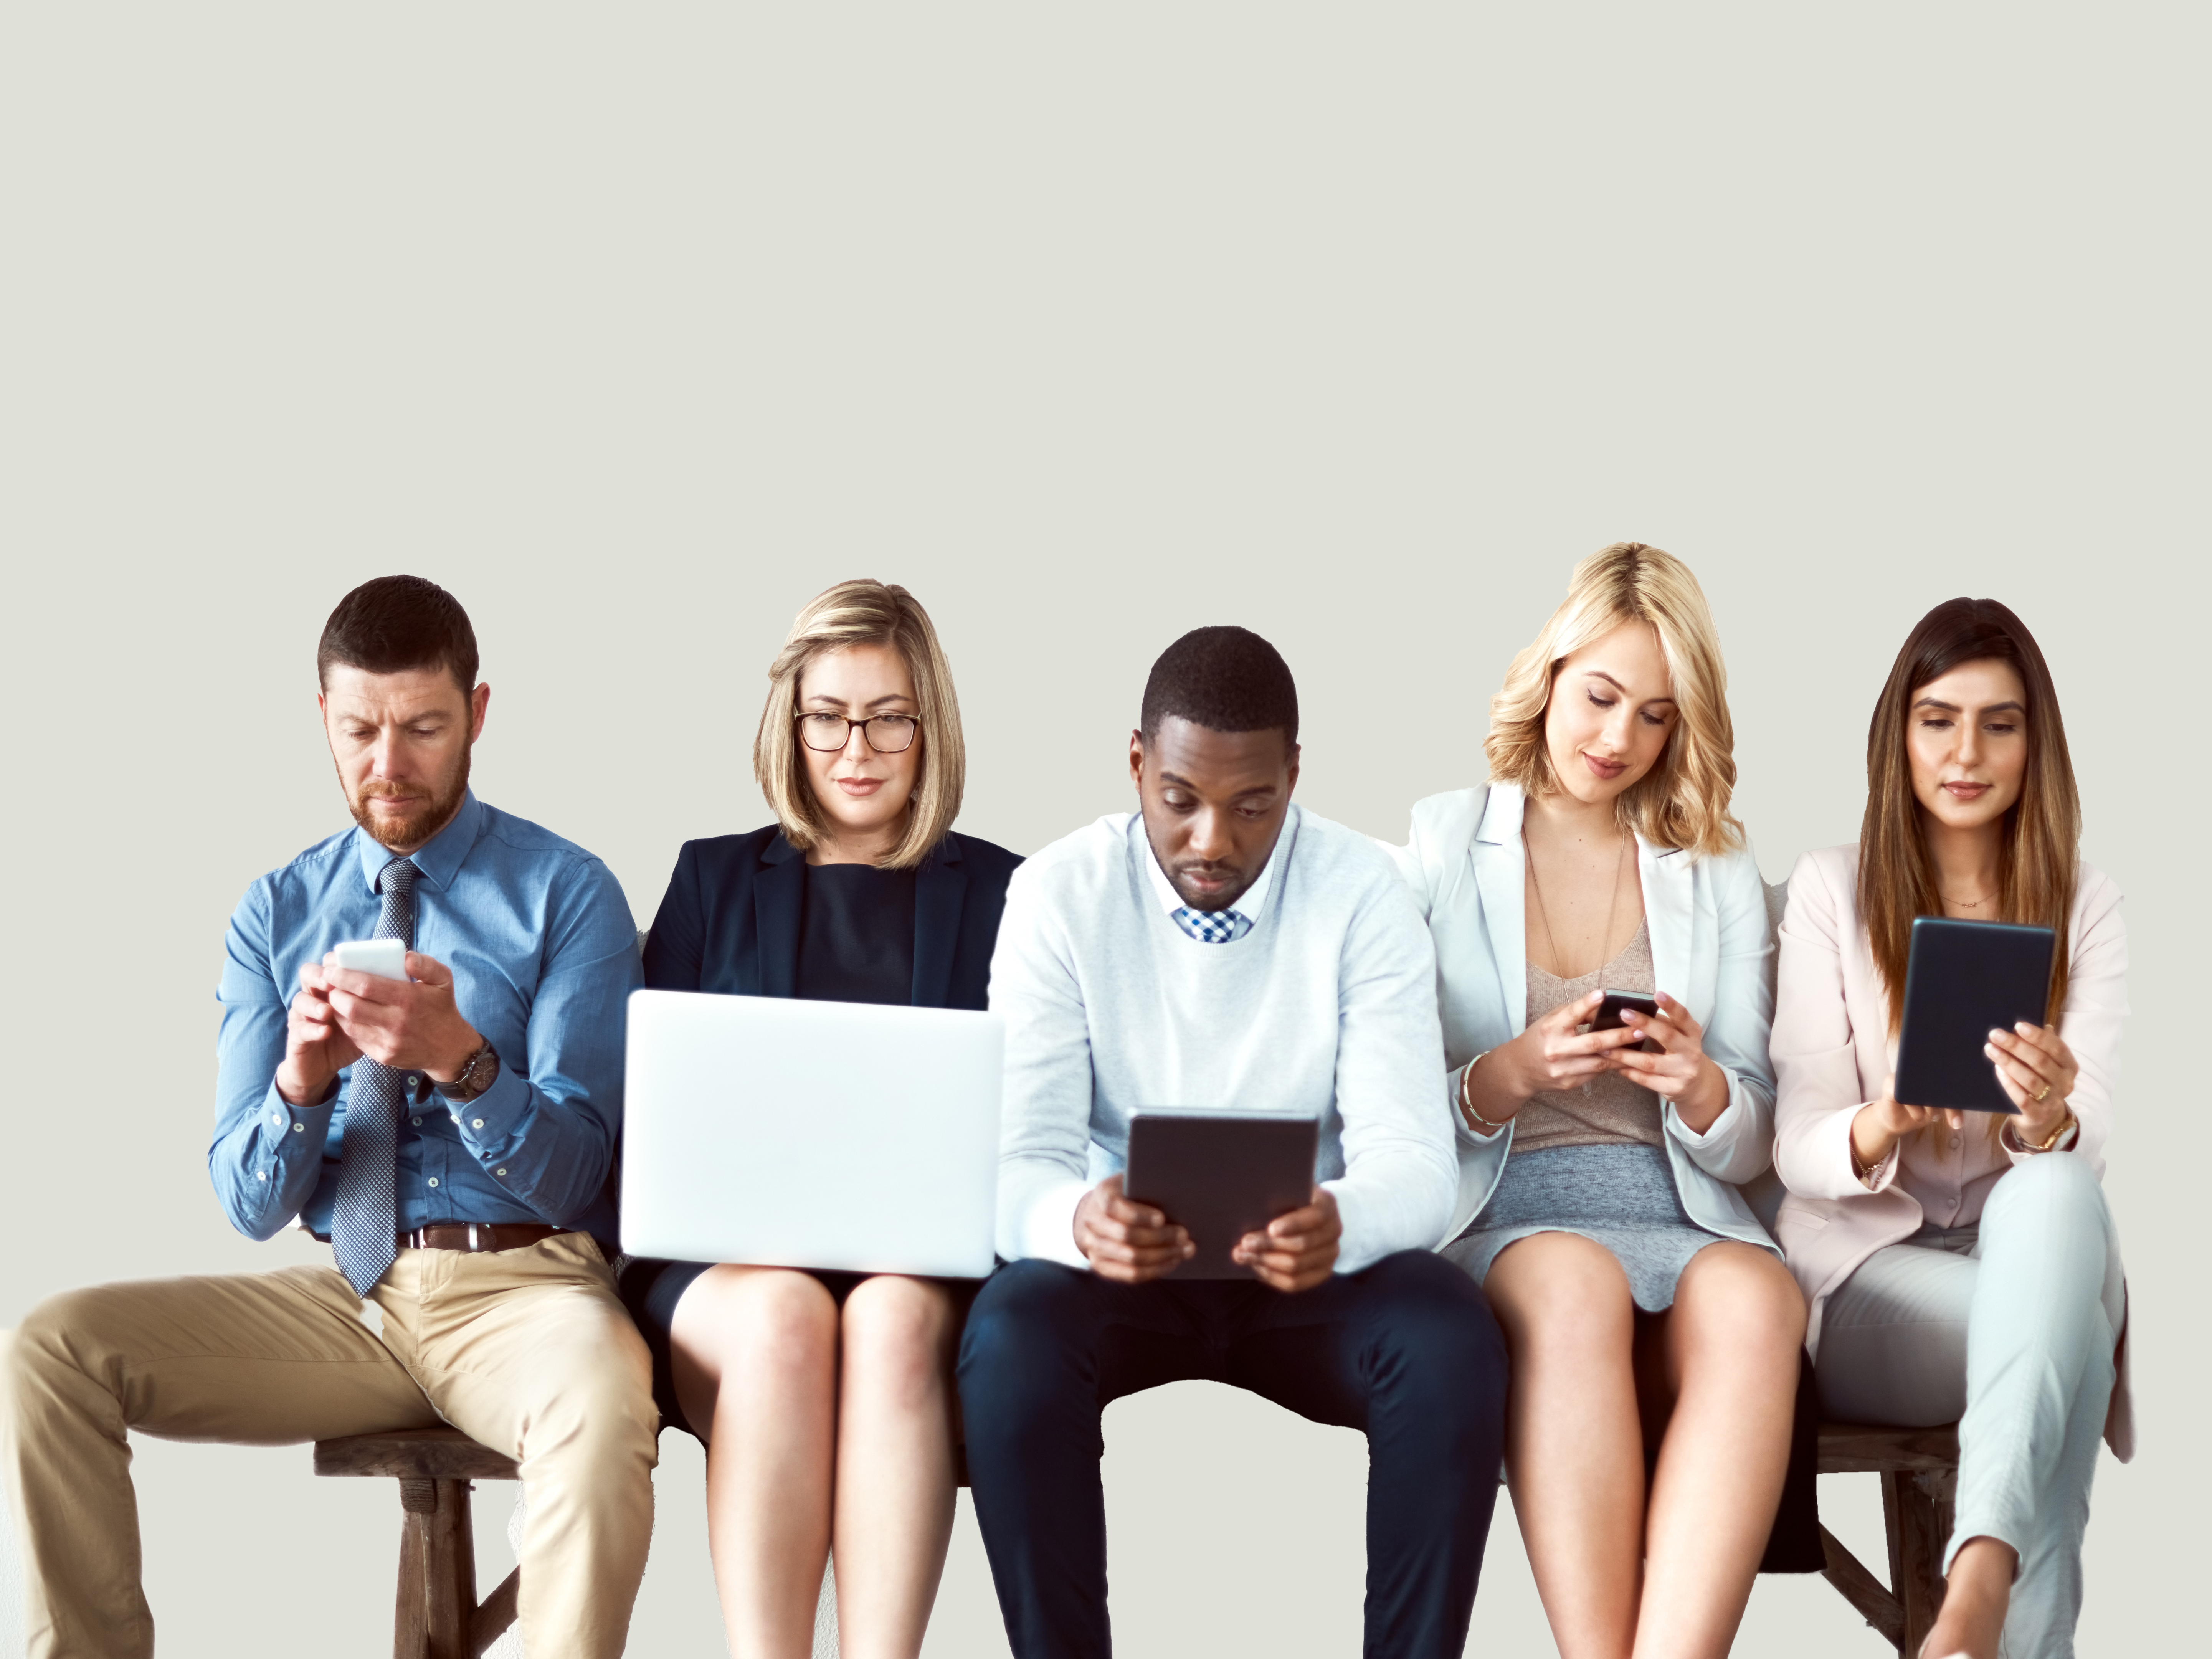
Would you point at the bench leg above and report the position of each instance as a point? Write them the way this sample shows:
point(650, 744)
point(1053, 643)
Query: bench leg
point(437, 1571)
point(1917, 1509)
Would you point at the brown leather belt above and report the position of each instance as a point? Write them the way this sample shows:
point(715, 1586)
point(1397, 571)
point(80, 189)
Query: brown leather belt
point(476, 1236)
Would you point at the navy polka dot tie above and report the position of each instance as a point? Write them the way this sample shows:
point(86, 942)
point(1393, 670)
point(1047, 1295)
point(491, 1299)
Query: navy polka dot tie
point(364, 1218)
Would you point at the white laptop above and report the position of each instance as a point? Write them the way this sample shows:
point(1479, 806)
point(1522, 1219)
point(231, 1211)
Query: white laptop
point(784, 1132)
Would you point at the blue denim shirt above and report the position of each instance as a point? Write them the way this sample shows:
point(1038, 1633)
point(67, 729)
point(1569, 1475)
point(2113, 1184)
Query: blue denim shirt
point(544, 956)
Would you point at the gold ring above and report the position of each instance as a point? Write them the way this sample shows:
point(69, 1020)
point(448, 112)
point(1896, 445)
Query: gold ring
point(2044, 1095)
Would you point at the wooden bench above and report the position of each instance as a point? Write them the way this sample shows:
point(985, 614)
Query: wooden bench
point(1919, 1471)
point(438, 1615)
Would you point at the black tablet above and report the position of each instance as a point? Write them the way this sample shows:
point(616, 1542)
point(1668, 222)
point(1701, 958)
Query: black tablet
point(1220, 1175)
point(1963, 980)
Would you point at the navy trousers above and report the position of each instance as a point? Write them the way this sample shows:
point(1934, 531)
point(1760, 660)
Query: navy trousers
point(1407, 1352)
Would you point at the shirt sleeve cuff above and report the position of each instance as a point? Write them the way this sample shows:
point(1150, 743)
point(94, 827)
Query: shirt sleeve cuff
point(1720, 1129)
point(1047, 1232)
point(1455, 1087)
point(308, 1126)
point(491, 1118)
point(1884, 1174)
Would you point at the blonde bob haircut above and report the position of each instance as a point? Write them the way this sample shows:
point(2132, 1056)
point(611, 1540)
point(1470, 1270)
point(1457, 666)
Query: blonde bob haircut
point(864, 613)
point(1683, 801)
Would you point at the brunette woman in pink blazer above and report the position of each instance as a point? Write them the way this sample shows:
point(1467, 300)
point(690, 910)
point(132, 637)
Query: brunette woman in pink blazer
point(1963, 1265)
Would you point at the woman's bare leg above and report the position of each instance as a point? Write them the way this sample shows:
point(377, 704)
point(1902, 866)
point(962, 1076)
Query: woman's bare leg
point(894, 1493)
point(1574, 1452)
point(1731, 1348)
point(755, 1353)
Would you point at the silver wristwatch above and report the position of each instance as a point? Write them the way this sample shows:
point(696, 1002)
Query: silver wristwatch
point(479, 1075)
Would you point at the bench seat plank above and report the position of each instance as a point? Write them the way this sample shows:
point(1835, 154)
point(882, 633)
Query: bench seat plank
point(414, 1455)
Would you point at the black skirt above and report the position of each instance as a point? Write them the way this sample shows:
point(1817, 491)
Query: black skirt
point(650, 1289)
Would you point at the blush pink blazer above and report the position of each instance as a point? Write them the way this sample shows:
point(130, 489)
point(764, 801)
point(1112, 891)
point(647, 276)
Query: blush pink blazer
point(1832, 1053)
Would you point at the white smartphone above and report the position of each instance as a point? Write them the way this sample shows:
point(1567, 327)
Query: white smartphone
point(386, 958)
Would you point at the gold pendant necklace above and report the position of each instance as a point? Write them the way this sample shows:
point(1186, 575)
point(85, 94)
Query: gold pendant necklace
point(1544, 915)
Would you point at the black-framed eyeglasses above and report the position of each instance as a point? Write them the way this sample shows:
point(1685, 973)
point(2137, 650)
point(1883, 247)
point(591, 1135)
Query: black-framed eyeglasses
point(826, 733)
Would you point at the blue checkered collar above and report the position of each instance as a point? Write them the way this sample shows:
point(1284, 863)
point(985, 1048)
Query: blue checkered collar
point(1247, 906)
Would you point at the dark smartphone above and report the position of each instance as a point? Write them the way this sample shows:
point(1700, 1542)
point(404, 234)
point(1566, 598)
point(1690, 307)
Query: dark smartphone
point(1608, 1018)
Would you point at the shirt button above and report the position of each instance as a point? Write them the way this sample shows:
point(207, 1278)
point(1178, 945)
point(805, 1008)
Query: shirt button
point(261, 1175)
point(475, 1122)
point(499, 1172)
point(1954, 1140)
point(433, 1181)
point(414, 1082)
point(416, 1122)
point(298, 1128)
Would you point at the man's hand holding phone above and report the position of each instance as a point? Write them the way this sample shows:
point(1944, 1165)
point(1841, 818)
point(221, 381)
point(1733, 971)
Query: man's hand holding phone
point(1126, 1241)
point(316, 1047)
point(343, 1014)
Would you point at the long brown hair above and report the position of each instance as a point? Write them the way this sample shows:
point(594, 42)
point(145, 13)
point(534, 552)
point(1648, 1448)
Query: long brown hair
point(2039, 852)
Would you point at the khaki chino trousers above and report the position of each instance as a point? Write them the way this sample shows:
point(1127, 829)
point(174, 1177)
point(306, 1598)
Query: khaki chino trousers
point(528, 1351)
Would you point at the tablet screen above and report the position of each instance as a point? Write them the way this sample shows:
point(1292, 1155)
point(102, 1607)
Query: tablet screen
point(1963, 980)
point(1220, 1175)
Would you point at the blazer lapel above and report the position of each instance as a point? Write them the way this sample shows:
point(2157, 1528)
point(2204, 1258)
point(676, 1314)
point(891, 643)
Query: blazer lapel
point(1669, 908)
point(778, 889)
point(1501, 877)
point(939, 888)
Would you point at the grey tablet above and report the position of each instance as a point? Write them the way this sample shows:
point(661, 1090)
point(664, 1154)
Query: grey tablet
point(1220, 1175)
point(1962, 980)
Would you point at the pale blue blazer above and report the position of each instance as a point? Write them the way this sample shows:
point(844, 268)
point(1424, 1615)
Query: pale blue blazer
point(1711, 949)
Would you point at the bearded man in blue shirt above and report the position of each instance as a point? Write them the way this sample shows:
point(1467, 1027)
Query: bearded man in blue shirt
point(451, 1135)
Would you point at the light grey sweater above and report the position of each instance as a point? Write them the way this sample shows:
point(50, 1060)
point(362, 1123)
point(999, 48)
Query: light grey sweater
point(1326, 1006)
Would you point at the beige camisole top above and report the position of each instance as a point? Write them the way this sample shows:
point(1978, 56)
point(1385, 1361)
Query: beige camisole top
point(1608, 1110)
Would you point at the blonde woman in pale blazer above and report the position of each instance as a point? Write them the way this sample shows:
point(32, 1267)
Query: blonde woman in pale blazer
point(1598, 1202)
point(1964, 1266)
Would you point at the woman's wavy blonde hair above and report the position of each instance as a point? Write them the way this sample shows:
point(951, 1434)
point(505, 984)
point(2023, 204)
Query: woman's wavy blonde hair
point(1683, 801)
point(864, 612)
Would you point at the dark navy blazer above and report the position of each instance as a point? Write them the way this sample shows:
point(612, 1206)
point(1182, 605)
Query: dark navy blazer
point(729, 922)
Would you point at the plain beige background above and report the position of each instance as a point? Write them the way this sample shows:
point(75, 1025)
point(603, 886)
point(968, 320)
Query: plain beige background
point(1354, 325)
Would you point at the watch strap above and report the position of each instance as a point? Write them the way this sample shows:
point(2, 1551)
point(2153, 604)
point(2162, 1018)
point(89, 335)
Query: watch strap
point(476, 1076)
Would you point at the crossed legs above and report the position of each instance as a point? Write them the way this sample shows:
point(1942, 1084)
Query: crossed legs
point(824, 1428)
point(1665, 1576)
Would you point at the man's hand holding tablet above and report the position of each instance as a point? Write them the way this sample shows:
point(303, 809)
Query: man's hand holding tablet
point(1125, 1240)
point(1296, 1251)
point(1211, 1194)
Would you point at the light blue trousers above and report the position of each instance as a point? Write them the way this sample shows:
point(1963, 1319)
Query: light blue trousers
point(2009, 1329)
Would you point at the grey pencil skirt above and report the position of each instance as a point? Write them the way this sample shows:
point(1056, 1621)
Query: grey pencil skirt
point(1621, 1196)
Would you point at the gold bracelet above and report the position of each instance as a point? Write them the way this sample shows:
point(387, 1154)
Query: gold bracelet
point(1467, 1101)
point(2051, 1140)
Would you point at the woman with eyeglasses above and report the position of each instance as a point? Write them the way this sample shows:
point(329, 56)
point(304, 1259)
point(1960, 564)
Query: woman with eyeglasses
point(1964, 1266)
point(824, 1398)
point(1653, 1330)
